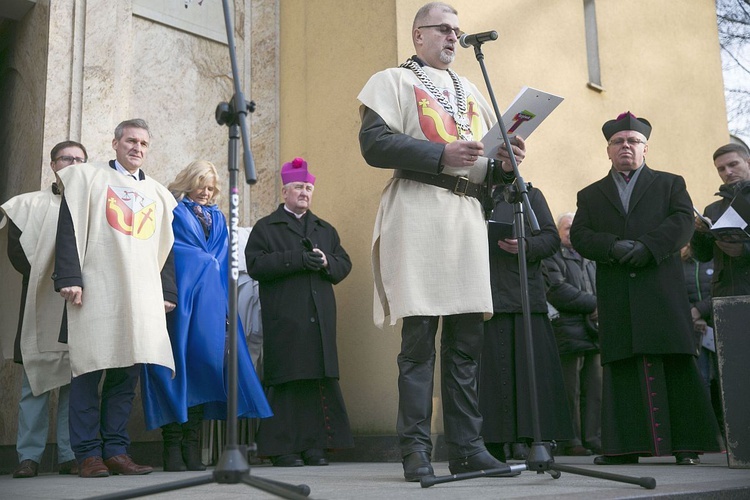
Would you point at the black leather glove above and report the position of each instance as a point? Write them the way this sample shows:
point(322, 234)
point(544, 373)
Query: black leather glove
point(312, 261)
point(620, 248)
point(639, 256)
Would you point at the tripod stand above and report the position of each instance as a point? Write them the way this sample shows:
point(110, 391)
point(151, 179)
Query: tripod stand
point(232, 467)
point(539, 459)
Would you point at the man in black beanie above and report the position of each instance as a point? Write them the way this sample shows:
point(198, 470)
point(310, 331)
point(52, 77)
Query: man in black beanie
point(633, 223)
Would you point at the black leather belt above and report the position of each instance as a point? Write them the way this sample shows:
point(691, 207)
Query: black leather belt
point(457, 185)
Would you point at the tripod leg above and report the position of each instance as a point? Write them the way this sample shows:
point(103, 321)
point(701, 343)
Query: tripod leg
point(158, 488)
point(277, 488)
point(646, 482)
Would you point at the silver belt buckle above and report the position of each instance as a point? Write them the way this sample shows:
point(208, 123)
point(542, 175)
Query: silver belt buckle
point(462, 186)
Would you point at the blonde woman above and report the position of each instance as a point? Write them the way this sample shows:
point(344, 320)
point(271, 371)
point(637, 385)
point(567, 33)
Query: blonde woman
point(197, 328)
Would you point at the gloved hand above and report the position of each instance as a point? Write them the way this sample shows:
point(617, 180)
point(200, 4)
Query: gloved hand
point(312, 261)
point(639, 256)
point(620, 248)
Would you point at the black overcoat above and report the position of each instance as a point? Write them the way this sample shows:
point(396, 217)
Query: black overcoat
point(298, 306)
point(641, 310)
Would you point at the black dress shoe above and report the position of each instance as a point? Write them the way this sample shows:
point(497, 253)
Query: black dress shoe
point(291, 460)
point(687, 458)
point(417, 465)
point(314, 457)
point(631, 458)
point(479, 461)
point(27, 468)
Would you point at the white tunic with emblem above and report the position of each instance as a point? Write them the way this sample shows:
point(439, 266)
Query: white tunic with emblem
point(429, 247)
point(123, 231)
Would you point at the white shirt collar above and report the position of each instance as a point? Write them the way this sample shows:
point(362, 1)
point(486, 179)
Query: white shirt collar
point(123, 171)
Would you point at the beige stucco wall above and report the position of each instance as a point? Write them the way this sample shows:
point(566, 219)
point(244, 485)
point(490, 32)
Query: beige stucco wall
point(304, 62)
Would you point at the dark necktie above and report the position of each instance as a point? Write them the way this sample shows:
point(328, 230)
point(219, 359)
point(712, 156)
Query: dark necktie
point(626, 176)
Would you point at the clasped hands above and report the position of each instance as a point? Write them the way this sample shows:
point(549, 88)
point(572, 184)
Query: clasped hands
point(313, 258)
point(630, 253)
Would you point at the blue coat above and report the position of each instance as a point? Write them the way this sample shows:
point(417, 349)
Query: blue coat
point(197, 329)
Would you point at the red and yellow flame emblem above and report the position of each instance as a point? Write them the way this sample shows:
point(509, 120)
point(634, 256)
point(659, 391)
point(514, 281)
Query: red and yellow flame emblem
point(131, 213)
point(437, 124)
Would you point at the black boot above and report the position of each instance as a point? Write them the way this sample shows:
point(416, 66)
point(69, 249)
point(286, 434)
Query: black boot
point(171, 434)
point(191, 439)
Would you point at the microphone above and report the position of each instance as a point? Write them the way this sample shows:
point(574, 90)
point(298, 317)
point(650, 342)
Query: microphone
point(467, 41)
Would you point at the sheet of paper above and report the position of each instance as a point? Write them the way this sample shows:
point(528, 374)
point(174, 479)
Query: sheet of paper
point(523, 116)
point(707, 339)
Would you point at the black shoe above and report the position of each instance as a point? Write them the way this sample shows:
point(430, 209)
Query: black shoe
point(314, 457)
point(291, 460)
point(497, 450)
point(479, 461)
point(687, 458)
point(172, 458)
point(631, 458)
point(417, 465)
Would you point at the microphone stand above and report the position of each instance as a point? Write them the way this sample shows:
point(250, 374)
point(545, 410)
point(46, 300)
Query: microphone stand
point(232, 467)
point(540, 459)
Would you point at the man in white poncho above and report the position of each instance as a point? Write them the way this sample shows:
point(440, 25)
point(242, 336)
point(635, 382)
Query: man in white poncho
point(114, 238)
point(29, 221)
point(430, 251)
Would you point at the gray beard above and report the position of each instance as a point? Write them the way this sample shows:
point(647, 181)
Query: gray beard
point(447, 58)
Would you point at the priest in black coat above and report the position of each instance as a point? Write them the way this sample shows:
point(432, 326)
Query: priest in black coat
point(296, 259)
point(633, 223)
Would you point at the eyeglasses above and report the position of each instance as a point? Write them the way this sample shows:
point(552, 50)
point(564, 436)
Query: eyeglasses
point(444, 29)
point(632, 141)
point(70, 159)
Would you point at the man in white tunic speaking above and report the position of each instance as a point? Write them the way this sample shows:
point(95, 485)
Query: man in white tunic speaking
point(429, 251)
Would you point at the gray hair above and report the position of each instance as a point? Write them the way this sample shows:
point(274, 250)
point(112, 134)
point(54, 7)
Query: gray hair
point(134, 123)
point(427, 8)
point(563, 216)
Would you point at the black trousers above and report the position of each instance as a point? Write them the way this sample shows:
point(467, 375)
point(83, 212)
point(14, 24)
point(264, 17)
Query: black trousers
point(461, 344)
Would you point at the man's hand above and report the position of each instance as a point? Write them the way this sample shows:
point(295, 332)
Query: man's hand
point(620, 249)
point(519, 151)
point(701, 226)
point(639, 256)
point(169, 306)
point(509, 245)
point(462, 154)
point(72, 294)
point(312, 260)
point(325, 259)
point(700, 326)
point(730, 248)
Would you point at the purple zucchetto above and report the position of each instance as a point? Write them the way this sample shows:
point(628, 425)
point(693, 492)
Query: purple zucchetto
point(626, 121)
point(296, 171)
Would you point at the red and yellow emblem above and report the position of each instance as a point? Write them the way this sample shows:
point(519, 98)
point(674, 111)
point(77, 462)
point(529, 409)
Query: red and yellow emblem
point(131, 213)
point(437, 124)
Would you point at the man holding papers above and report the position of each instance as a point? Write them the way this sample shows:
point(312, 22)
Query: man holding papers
point(429, 250)
point(731, 259)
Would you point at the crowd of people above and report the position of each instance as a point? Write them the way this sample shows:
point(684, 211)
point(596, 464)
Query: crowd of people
point(619, 320)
